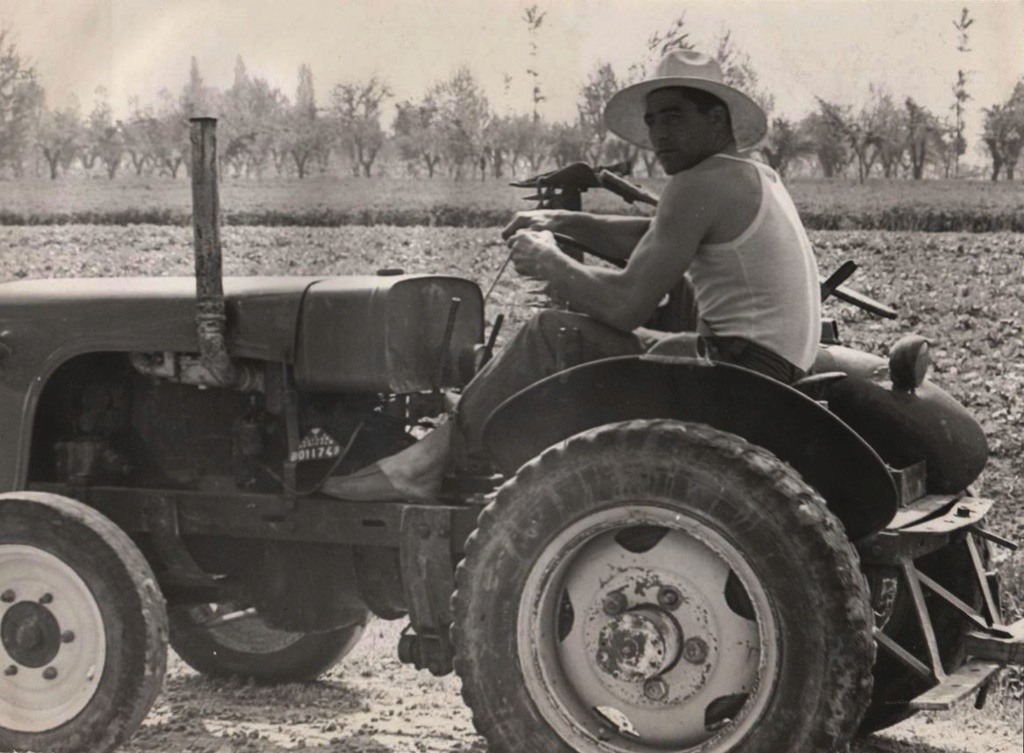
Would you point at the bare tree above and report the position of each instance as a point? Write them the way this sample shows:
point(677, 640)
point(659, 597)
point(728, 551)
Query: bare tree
point(104, 138)
point(856, 130)
point(601, 84)
point(253, 115)
point(533, 141)
point(357, 107)
point(463, 113)
point(59, 137)
point(922, 131)
point(419, 134)
point(890, 124)
point(568, 143)
point(785, 144)
point(197, 99)
point(828, 141)
point(21, 103)
point(499, 144)
point(960, 95)
point(169, 136)
point(1004, 133)
point(534, 19)
point(237, 133)
point(306, 137)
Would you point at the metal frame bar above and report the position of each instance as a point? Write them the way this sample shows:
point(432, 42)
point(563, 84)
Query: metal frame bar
point(924, 620)
point(989, 622)
point(961, 606)
point(994, 615)
point(903, 655)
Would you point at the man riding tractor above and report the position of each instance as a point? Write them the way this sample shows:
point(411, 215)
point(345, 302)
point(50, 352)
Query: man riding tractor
point(724, 222)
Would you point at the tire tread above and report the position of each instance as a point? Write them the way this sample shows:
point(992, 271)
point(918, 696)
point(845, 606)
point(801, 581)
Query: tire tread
point(825, 534)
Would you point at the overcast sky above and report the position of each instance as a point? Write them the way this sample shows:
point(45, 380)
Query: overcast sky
point(802, 48)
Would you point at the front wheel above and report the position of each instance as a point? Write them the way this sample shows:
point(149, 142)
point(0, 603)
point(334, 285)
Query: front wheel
point(83, 628)
point(656, 585)
point(224, 640)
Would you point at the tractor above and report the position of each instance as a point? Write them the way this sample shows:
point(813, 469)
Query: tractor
point(662, 552)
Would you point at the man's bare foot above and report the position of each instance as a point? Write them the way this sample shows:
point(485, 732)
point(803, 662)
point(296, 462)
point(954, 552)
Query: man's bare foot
point(414, 473)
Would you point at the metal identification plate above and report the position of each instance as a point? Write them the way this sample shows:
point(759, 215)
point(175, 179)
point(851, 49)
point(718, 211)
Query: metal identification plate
point(317, 445)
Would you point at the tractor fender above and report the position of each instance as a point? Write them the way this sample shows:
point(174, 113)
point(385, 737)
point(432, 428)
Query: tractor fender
point(905, 426)
point(831, 457)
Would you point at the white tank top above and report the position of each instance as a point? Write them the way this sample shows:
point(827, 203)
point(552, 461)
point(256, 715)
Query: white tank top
point(764, 285)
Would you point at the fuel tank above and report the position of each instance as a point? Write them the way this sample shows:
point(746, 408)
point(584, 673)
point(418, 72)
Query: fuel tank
point(905, 426)
point(387, 333)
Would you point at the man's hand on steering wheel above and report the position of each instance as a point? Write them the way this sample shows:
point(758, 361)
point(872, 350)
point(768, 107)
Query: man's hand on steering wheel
point(563, 225)
point(534, 253)
point(553, 220)
point(536, 256)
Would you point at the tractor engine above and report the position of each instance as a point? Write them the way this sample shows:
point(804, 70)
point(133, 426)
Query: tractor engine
point(370, 357)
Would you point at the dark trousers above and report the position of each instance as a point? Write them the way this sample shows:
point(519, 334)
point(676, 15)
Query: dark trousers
point(548, 343)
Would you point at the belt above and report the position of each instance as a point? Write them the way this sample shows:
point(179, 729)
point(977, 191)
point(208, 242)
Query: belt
point(751, 355)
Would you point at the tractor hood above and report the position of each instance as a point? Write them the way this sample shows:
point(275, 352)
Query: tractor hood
point(360, 333)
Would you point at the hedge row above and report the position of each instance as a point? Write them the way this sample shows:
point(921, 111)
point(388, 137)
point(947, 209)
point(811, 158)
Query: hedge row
point(918, 219)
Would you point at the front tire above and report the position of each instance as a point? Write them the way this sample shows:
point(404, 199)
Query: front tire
point(658, 585)
point(246, 647)
point(83, 628)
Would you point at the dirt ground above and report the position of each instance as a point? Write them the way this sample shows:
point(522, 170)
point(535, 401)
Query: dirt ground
point(370, 703)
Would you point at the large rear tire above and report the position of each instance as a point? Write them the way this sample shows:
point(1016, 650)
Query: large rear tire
point(656, 585)
point(83, 628)
point(246, 647)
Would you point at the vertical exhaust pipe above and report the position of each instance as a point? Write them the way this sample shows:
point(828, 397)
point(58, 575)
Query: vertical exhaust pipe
point(213, 367)
point(210, 311)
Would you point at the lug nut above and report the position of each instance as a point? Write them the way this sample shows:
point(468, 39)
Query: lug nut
point(10, 671)
point(46, 598)
point(615, 603)
point(50, 673)
point(67, 636)
point(8, 596)
point(695, 650)
point(669, 597)
point(655, 689)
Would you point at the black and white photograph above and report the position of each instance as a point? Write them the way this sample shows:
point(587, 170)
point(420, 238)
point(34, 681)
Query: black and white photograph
point(511, 376)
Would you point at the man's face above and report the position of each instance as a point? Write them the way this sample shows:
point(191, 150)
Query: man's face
point(681, 135)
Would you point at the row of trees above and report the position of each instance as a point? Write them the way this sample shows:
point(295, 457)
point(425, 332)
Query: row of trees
point(894, 138)
point(453, 129)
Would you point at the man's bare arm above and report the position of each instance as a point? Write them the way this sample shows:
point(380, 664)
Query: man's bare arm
point(611, 235)
point(625, 298)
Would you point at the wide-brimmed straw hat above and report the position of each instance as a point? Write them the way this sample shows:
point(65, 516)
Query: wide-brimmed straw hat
point(624, 114)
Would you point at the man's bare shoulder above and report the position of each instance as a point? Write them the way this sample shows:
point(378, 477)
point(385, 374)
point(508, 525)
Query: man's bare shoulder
point(725, 192)
point(717, 175)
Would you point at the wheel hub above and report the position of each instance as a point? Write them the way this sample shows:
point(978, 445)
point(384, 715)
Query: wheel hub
point(638, 645)
point(651, 627)
point(660, 626)
point(30, 634)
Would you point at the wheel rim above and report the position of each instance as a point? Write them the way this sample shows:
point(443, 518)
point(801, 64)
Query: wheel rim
point(242, 630)
point(53, 644)
point(642, 629)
